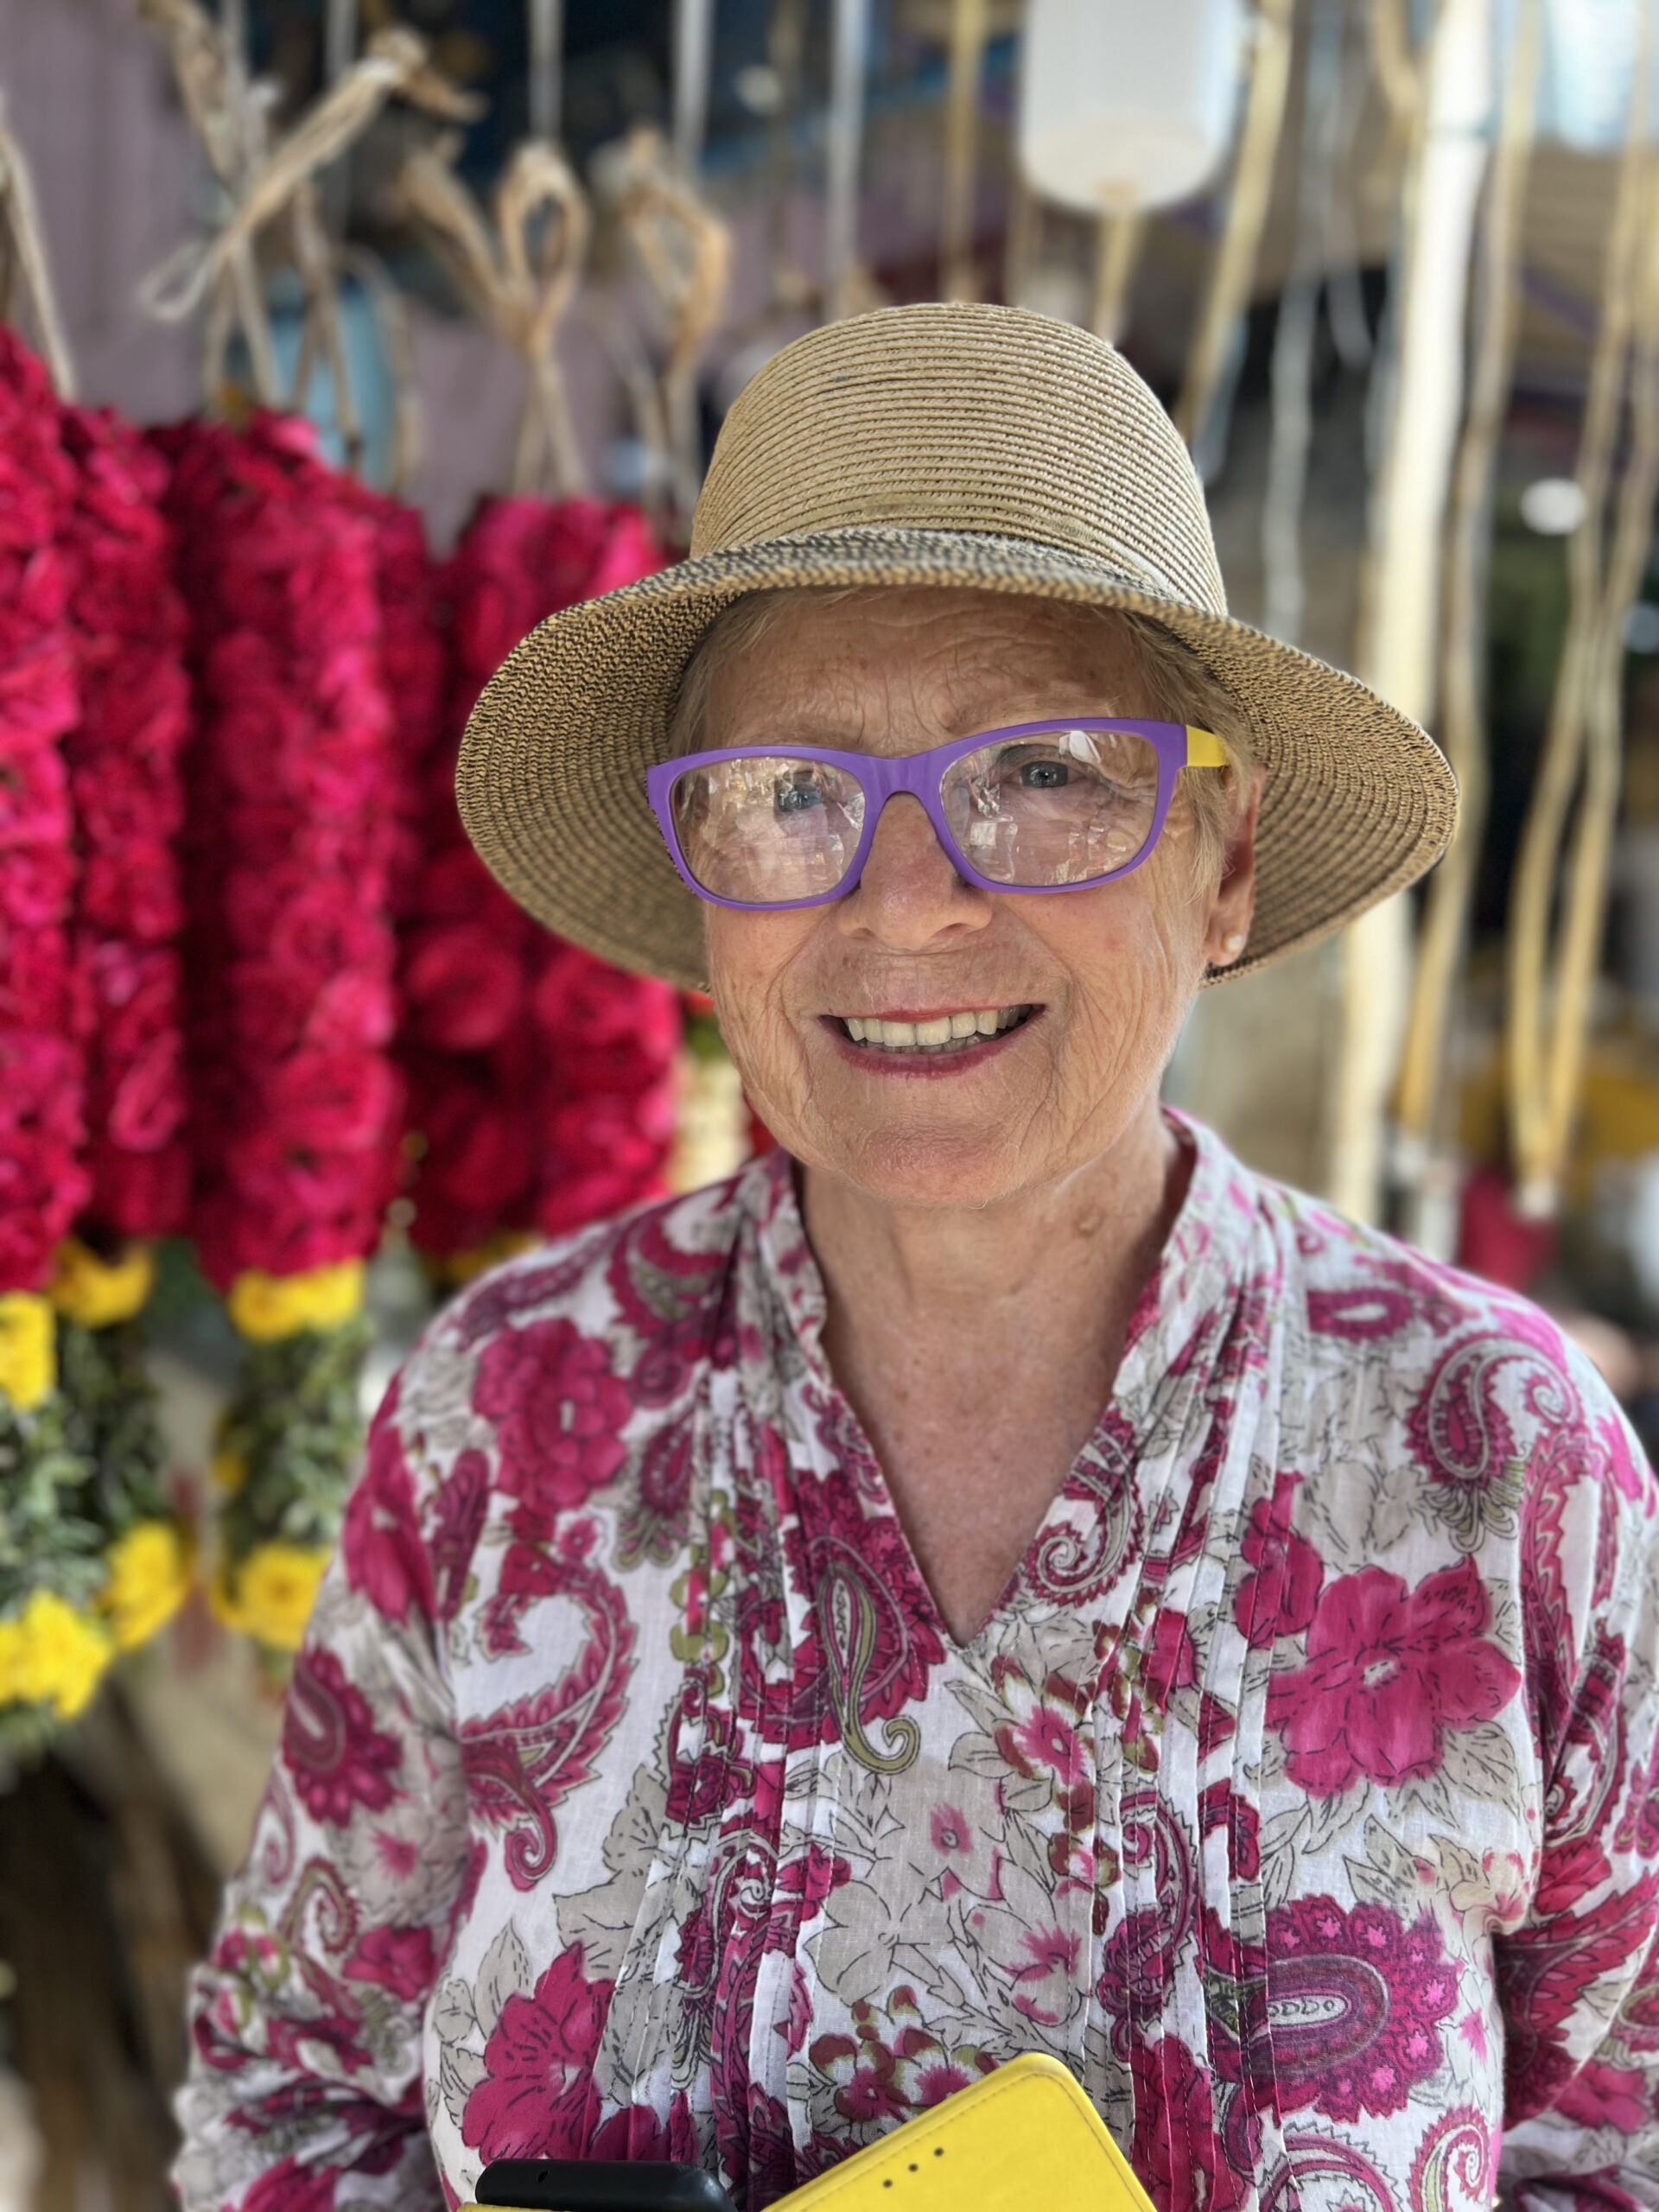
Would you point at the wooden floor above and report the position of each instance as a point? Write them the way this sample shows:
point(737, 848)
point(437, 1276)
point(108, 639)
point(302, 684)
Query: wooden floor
point(105, 1902)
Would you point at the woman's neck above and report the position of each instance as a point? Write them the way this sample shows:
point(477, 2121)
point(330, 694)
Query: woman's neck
point(1043, 1284)
point(979, 1349)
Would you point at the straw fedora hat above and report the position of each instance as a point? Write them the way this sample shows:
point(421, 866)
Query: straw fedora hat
point(934, 444)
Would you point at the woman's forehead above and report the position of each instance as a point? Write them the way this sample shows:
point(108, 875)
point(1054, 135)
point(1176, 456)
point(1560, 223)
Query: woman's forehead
point(964, 658)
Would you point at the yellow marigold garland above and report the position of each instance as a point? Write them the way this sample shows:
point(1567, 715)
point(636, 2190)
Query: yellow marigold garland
point(286, 1447)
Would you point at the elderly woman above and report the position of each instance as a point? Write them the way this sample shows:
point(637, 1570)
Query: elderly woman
point(995, 1575)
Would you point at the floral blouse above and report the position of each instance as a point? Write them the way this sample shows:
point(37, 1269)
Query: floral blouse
point(1301, 1795)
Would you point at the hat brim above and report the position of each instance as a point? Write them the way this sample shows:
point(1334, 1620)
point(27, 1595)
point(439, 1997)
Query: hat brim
point(1358, 801)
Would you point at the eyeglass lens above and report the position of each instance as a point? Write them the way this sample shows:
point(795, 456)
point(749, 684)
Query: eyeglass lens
point(1060, 806)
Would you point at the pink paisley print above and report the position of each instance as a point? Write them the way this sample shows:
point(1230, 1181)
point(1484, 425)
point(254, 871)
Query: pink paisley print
point(1390, 1671)
point(339, 1760)
point(1300, 1796)
point(1357, 2002)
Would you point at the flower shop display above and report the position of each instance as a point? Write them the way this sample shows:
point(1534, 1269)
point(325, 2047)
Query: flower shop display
point(541, 1079)
point(293, 1095)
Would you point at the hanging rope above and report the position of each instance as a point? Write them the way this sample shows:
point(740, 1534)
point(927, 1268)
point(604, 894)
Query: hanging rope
point(970, 31)
point(694, 36)
point(391, 313)
point(1549, 1016)
point(850, 48)
point(25, 271)
point(394, 64)
point(1420, 1100)
point(1234, 266)
point(322, 330)
point(521, 276)
point(229, 117)
point(685, 249)
point(546, 58)
point(788, 287)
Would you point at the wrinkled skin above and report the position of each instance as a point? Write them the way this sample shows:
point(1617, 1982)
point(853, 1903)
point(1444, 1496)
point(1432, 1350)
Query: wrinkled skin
point(1116, 969)
point(982, 1237)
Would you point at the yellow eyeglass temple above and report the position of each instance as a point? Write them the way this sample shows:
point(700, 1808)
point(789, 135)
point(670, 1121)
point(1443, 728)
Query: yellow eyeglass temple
point(1204, 749)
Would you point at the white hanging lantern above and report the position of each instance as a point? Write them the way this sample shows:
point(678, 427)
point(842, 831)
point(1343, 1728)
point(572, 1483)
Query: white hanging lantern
point(1592, 48)
point(1127, 104)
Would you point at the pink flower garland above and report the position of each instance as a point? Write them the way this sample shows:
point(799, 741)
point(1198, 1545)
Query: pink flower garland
point(124, 766)
point(291, 952)
point(541, 1078)
point(415, 669)
point(43, 1185)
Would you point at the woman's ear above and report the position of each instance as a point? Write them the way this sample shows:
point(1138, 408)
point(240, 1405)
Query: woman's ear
point(1234, 904)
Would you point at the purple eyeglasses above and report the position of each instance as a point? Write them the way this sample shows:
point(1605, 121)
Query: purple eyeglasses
point(1059, 805)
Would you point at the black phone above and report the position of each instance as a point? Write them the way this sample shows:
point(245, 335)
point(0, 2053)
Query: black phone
point(601, 2185)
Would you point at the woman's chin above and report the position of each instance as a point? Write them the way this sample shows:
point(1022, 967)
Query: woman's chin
point(929, 1166)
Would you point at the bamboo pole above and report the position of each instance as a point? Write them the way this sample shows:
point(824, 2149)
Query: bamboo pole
point(1292, 432)
point(1120, 235)
point(1234, 266)
point(1548, 1028)
point(1448, 160)
point(1420, 1098)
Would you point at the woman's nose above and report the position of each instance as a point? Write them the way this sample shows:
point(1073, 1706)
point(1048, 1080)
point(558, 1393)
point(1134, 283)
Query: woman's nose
point(909, 888)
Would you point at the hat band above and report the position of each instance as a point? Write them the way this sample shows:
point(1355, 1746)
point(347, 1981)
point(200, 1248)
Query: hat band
point(1114, 562)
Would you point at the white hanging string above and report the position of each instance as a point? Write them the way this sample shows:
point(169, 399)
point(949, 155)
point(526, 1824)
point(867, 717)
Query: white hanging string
point(694, 46)
point(970, 32)
point(850, 48)
point(546, 55)
point(339, 52)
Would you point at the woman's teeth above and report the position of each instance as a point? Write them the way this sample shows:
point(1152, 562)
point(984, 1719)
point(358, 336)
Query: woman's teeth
point(949, 1031)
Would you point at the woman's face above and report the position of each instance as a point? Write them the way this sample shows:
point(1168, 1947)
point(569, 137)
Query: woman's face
point(1110, 971)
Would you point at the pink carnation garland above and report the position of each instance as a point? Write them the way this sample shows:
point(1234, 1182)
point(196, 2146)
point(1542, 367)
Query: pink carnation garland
point(126, 772)
point(541, 1077)
point(294, 1092)
point(43, 1183)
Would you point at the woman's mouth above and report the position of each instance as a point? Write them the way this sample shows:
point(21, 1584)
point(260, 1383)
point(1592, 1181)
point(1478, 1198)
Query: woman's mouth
point(931, 1043)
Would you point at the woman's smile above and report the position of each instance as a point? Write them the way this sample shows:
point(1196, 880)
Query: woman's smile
point(919, 1042)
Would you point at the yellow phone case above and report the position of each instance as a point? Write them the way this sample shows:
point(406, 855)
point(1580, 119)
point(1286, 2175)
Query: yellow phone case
point(1024, 2139)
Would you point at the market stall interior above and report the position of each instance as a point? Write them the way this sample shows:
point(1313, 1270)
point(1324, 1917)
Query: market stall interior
point(339, 343)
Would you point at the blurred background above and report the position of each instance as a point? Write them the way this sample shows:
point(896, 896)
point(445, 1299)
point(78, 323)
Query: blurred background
point(347, 341)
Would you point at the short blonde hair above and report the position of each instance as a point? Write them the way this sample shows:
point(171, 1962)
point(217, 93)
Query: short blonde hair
point(1179, 689)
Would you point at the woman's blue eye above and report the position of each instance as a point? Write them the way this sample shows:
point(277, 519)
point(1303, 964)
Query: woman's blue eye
point(1044, 775)
point(798, 798)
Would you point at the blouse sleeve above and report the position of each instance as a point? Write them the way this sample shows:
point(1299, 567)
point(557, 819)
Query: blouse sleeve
point(306, 2017)
point(1579, 1978)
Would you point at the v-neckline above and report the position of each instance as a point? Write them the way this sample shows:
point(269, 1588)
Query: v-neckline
point(1116, 1433)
